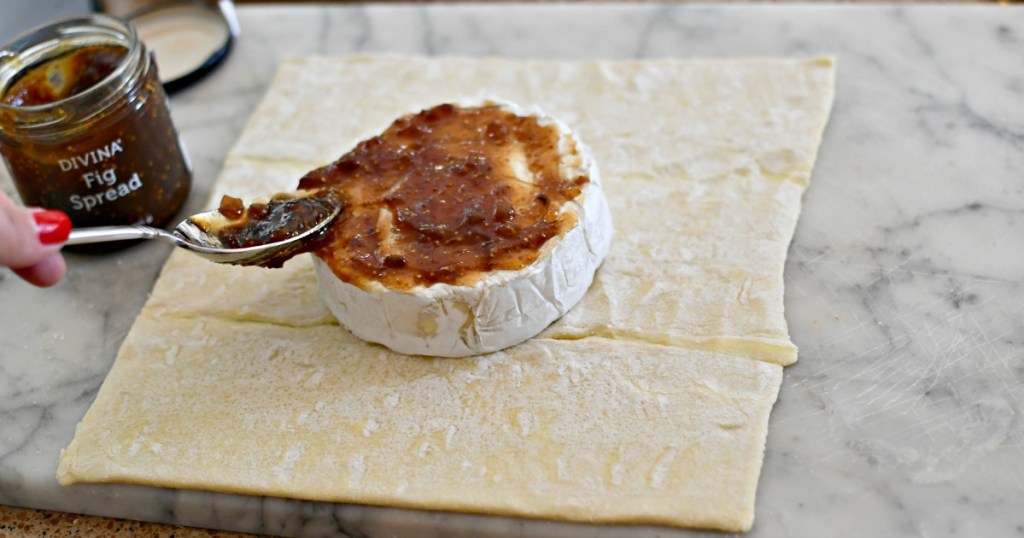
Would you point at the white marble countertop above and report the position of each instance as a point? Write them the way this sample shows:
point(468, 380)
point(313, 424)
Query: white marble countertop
point(904, 285)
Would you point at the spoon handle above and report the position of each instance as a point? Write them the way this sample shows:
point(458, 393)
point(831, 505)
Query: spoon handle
point(102, 234)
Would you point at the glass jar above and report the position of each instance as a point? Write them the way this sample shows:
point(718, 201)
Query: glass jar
point(85, 126)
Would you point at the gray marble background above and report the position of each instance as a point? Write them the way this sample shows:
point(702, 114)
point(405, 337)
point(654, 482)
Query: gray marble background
point(904, 285)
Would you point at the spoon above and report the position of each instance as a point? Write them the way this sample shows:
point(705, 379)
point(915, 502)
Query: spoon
point(198, 234)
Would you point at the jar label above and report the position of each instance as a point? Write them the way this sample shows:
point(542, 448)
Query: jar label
point(94, 157)
point(99, 177)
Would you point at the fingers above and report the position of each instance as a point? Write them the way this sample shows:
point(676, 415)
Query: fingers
point(30, 242)
point(46, 273)
point(19, 245)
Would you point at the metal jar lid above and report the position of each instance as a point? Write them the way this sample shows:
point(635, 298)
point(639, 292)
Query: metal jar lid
point(189, 38)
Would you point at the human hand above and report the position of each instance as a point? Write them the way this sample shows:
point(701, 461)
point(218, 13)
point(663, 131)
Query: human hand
point(30, 242)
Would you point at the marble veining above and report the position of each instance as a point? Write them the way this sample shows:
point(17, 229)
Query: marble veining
point(905, 281)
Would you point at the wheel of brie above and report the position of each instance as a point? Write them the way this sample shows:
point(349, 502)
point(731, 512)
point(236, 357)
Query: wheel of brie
point(466, 229)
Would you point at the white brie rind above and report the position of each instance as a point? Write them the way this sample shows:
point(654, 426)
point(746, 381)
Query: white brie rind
point(501, 309)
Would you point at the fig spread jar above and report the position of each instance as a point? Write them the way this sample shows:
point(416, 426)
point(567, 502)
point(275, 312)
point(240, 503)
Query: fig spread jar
point(85, 126)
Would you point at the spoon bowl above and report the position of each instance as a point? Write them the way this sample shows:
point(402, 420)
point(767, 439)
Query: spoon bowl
point(193, 235)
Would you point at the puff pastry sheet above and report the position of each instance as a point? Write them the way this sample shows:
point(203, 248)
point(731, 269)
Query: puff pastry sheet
point(647, 403)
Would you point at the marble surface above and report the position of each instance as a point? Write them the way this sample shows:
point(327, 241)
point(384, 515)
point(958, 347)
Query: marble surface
point(904, 285)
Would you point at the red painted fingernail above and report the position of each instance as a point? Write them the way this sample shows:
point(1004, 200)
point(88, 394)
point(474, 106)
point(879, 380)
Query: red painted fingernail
point(54, 226)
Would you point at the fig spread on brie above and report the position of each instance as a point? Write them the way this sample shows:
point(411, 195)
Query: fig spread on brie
point(445, 196)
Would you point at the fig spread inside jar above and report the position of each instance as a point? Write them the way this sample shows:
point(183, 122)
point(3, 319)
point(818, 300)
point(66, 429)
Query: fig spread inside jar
point(66, 75)
point(85, 126)
point(444, 196)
